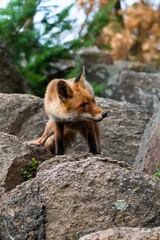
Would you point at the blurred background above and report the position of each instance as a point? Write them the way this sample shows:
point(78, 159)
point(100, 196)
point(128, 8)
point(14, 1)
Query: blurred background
point(52, 39)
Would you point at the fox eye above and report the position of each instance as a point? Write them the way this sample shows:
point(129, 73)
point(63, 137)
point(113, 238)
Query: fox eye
point(83, 105)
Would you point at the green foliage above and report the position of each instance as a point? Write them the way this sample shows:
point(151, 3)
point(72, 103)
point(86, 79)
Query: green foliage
point(31, 170)
point(18, 34)
point(75, 71)
point(100, 20)
point(34, 48)
point(78, 43)
point(98, 88)
point(157, 174)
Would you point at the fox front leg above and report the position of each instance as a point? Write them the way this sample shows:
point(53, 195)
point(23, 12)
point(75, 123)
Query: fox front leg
point(89, 134)
point(59, 132)
point(98, 136)
point(92, 143)
point(48, 131)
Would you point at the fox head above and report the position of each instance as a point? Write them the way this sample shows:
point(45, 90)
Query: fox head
point(76, 101)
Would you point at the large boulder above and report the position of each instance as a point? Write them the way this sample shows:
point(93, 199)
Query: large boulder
point(149, 152)
point(93, 55)
point(22, 214)
point(125, 233)
point(11, 81)
point(24, 116)
point(14, 155)
point(121, 131)
point(121, 83)
point(74, 196)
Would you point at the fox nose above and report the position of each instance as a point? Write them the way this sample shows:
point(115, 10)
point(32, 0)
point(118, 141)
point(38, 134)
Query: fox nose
point(104, 114)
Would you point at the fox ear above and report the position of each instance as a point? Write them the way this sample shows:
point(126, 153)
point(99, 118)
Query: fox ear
point(64, 91)
point(81, 77)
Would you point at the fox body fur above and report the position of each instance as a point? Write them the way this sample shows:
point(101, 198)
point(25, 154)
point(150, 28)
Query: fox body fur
point(71, 108)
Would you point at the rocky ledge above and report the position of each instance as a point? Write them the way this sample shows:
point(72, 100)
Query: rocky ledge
point(75, 195)
point(78, 196)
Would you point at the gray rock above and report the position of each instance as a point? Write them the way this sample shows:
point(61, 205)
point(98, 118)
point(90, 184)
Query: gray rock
point(80, 196)
point(136, 66)
point(22, 214)
point(121, 131)
point(13, 156)
point(24, 116)
point(93, 55)
point(126, 85)
point(125, 234)
point(149, 151)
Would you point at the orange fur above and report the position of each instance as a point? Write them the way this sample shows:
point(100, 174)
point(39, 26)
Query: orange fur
point(71, 108)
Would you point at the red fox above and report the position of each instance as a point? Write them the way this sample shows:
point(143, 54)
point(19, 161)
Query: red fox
point(71, 108)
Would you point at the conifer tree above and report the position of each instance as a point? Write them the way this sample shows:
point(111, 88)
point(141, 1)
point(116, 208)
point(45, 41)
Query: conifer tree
point(34, 48)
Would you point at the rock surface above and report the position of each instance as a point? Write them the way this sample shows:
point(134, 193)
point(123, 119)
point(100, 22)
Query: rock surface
point(121, 131)
point(79, 196)
point(122, 84)
point(94, 55)
point(125, 234)
point(11, 81)
point(22, 214)
point(23, 116)
point(13, 156)
point(149, 151)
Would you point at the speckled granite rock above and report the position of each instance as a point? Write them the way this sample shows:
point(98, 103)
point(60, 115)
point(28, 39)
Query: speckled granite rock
point(22, 214)
point(149, 151)
point(14, 155)
point(123, 83)
point(79, 196)
point(121, 131)
point(24, 116)
point(125, 234)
